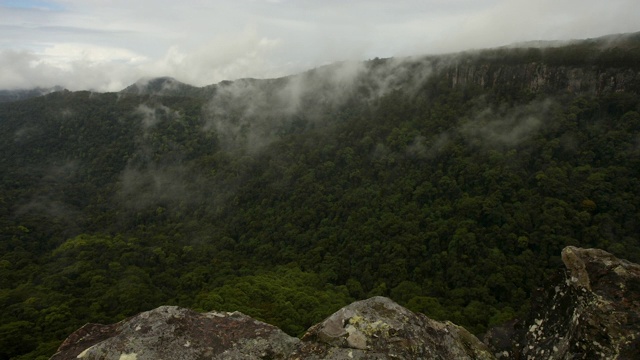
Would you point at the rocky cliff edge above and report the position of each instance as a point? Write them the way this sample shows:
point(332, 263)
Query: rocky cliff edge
point(590, 310)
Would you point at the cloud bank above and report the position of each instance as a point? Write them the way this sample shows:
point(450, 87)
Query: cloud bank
point(107, 45)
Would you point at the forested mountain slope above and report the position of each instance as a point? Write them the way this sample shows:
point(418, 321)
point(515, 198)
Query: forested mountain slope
point(448, 183)
point(15, 95)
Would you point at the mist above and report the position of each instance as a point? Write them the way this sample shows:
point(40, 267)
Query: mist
point(506, 127)
point(82, 45)
point(250, 114)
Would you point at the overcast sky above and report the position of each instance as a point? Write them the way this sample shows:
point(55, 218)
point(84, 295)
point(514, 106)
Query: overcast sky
point(106, 45)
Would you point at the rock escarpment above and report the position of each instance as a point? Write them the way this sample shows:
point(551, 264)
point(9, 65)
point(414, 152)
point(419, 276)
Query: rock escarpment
point(591, 310)
point(597, 66)
point(539, 77)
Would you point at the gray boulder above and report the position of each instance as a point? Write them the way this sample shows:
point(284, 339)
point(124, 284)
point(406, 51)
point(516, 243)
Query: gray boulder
point(378, 328)
point(170, 332)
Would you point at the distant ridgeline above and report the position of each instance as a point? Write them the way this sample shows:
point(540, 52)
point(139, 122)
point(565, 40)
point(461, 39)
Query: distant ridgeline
point(15, 95)
point(448, 183)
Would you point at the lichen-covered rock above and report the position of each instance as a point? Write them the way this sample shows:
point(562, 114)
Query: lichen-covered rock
point(378, 328)
point(591, 312)
point(169, 332)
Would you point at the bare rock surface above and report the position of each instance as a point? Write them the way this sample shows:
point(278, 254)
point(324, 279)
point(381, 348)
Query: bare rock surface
point(592, 311)
point(170, 332)
point(378, 328)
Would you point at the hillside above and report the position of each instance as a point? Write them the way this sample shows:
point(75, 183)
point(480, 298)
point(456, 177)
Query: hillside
point(447, 183)
point(16, 95)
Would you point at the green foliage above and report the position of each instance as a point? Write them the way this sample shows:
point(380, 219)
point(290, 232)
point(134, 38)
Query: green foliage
point(287, 297)
point(454, 200)
point(16, 338)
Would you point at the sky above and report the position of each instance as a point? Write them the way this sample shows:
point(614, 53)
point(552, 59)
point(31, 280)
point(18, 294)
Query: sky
point(106, 45)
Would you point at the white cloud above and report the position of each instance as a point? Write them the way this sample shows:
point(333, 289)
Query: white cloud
point(74, 66)
point(506, 22)
point(223, 57)
point(63, 56)
point(204, 41)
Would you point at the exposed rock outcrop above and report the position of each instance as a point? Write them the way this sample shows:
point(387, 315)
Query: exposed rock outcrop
point(170, 332)
point(376, 328)
point(591, 310)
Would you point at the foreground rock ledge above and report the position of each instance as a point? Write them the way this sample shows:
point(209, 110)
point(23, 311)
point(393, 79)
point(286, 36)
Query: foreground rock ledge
point(376, 328)
point(590, 310)
point(170, 332)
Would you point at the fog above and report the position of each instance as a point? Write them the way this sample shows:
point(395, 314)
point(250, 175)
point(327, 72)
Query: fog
point(507, 127)
point(250, 114)
point(106, 46)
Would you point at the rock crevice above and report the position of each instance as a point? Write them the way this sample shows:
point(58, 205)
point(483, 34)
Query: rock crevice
point(590, 310)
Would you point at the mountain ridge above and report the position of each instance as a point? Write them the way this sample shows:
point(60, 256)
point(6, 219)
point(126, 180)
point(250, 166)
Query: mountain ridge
point(449, 184)
point(22, 94)
point(170, 86)
point(591, 53)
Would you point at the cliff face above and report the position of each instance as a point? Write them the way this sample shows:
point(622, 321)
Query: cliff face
point(597, 66)
point(539, 77)
point(590, 311)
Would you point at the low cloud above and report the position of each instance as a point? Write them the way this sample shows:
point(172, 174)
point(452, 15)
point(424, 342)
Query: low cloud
point(249, 115)
point(225, 57)
point(141, 188)
point(493, 127)
point(77, 66)
point(421, 147)
point(499, 23)
point(26, 69)
point(153, 114)
point(81, 44)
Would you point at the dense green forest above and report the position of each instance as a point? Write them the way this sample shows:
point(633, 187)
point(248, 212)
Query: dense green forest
point(448, 183)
